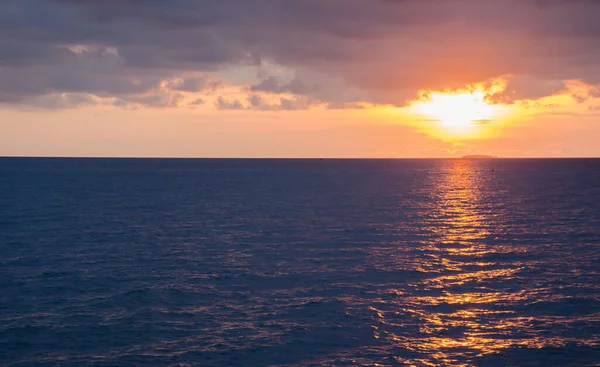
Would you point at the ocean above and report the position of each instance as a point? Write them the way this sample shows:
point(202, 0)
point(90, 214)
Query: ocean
point(218, 262)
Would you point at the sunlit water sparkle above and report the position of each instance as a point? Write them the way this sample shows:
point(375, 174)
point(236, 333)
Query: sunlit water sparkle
point(299, 262)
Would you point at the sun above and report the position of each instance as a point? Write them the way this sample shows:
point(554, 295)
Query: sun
point(476, 111)
point(457, 109)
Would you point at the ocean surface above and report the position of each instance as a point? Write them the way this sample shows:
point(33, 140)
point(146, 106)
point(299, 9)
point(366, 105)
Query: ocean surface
point(159, 262)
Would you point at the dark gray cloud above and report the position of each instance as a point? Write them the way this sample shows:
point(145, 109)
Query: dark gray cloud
point(385, 50)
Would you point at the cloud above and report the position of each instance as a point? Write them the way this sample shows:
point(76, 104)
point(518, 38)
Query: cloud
point(345, 105)
point(197, 102)
point(258, 103)
point(101, 72)
point(65, 100)
point(195, 84)
point(160, 98)
point(341, 52)
point(225, 104)
point(525, 87)
point(582, 92)
point(273, 84)
point(297, 103)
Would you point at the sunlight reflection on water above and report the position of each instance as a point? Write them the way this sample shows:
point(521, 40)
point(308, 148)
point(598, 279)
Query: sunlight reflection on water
point(296, 263)
point(460, 306)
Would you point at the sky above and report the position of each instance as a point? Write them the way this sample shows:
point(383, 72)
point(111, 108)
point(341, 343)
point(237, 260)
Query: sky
point(300, 78)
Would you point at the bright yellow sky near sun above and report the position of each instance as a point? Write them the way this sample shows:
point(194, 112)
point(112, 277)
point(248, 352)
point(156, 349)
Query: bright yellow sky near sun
point(442, 123)
point(461, 114)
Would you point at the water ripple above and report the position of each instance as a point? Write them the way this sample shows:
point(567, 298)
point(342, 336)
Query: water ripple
point(300, 263)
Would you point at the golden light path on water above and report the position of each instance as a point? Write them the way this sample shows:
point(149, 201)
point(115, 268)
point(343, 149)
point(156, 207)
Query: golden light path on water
point(461, 223)
point(463, 308)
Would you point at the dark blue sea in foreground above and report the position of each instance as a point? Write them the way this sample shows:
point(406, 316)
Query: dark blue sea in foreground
point(155, 262)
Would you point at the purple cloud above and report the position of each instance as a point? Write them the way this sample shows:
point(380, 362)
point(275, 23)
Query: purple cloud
point(383, 51)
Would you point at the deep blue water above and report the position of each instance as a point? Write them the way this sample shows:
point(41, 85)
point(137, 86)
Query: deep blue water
point(299, 262)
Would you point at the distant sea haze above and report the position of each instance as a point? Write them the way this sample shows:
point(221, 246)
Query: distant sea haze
point(216, 262)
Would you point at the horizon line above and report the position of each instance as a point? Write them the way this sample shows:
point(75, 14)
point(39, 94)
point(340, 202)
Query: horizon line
point(289, 158)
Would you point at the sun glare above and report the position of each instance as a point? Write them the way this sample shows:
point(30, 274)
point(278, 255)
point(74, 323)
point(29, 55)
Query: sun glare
point(457, 109)
point(458, 114)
